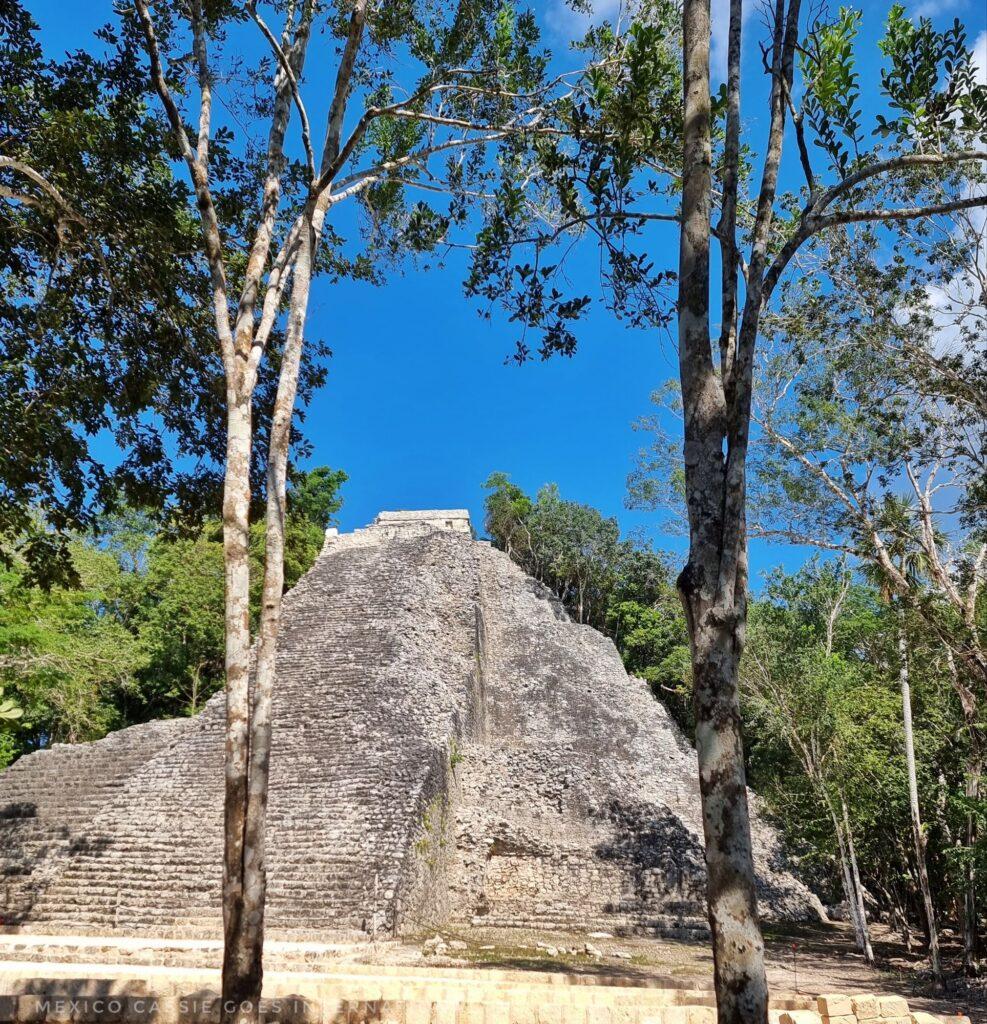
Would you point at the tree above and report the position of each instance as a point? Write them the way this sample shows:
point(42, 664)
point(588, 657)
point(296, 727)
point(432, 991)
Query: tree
point(10, 713)
point(179, 622)
point(507, 511)
point(874, 433)
point(67, 655)
point(873, 441)
point(621, 587)
point(9, 710)
point(314, 496)
point(94, 234)
point(654, 645)
point(615, 182)
point(575, 551)
point(918, 835)
point(797, 685)
point(822, 699)
point(476, 79)
point(140, 634)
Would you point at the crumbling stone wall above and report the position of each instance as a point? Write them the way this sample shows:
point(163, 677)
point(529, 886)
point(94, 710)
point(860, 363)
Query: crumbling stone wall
point(447, 745)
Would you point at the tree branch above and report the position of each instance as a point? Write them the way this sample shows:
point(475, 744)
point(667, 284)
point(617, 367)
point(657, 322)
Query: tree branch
point(205, 81)
point(726, 230)
point(898, 163)
point(344, 84)
point(212, 239)
point(246, 330)
point(905, 213)
point(289, 74)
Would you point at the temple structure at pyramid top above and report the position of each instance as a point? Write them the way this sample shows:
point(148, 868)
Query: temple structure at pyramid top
point(412, 523)
point(448, 747)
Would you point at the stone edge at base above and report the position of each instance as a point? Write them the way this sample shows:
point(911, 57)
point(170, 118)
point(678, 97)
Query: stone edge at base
point(393, 1001)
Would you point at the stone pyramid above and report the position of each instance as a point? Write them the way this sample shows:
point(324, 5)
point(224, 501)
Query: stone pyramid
point(448, 747)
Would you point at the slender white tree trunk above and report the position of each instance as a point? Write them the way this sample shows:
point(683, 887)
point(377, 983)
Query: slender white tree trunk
point(255, 827)
point(848, 889)
point(971, 936)
point(974, 774)
point(858, 889)
point(848, 872)
point(918, 836)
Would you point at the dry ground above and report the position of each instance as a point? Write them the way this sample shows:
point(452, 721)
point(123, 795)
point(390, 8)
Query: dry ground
point(809, 960)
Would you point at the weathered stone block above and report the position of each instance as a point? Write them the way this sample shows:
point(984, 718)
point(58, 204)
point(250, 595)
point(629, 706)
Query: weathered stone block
point(834, 1005)
point(523, 1009)
point(202, 1007)
point(865, 1007)
point(57, 1008)
point(920, 1017)
point(445, 1011)
point(893, 1006)
point(799, 1017)
point(333, 1007)
point(94, 1011)
point(161, 1009)
point(689, 1015)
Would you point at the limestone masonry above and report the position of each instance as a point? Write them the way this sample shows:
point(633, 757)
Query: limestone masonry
point(448, 747)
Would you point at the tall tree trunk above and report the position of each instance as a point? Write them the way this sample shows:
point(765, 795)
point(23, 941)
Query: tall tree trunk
point(971, 936)
point(849, 892)
point(918, 836)
point(738, 949)
point(251, 932)
point(255, 871)
point(239, 980)
point(849, 874)
point(716, 622)
point(974, 773)
point(858, 889)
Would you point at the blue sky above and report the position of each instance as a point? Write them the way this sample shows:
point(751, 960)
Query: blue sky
point(419, 407)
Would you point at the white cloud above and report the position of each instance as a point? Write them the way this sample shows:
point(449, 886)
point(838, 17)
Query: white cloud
point(980, 57)
point(958, 304)
point(935, 8)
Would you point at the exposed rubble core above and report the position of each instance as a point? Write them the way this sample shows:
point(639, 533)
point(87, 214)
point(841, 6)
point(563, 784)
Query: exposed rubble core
point(448, 746)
